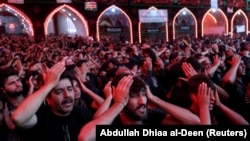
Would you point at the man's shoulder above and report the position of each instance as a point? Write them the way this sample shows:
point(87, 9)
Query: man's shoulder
point(117, 121)
point(82, 112)
point(155, 116)
point(155, 111)
point(80, 109)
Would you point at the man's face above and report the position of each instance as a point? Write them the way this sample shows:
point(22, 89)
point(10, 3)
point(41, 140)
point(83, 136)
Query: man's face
point(13, 86)
point(36, 67)
point(211, 100)
point(77, 90)
point(84, 67)
point(119, 59)
point(69, 61)
point(241, 69)
point(137, 105)
point(61, 98)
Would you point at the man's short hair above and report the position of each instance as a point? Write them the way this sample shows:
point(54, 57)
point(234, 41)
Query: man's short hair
point(5, 73)
point(194, 82)
point(80, 62)
point(65, 75)
point(195, 64)
point(137, 85)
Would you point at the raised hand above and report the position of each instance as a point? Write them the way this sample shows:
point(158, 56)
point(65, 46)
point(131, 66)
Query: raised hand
point(121, 91)
point(44, 68)
point(53, 74)
point(236, 60)
point(203, 100)
point(149, 93)
point(31, 86)
point(107, 90)
point(216, 60)
point(159, 62)
point(80, 74)
point(203, 97)
point(188, 70)
point(7, 118)
point(217, 99)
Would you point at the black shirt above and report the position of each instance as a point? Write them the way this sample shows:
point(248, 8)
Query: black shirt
point(154, 117)
point(51, 127)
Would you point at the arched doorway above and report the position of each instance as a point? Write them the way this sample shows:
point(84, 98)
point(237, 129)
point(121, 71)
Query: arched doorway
point(114, 25)
point(66, 20)
point(154, 30)
point(14, 21)
point(184, 23)
point(239, 23)
point(214, 22)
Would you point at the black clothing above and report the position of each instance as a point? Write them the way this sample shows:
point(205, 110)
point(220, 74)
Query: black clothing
point(7, 134)
point(155, 117)
point(179, 96)
point(246, 61)
point(51, 127)
point(218, 118)
point(155, 86)
point(237, 95)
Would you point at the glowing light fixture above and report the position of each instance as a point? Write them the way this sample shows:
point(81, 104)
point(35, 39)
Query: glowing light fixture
point(113, 8)
point(12, 26)
point(207, 13)
point(214, 10)
point(21, 16)
point(239, 12)
point(153, 9)
point(185, 10)
point(212, 16)
point(63, 7)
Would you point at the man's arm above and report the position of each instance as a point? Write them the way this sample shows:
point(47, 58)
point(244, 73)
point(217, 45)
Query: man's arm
point(106, 104)
point(97, 99)
point(181, 114)
point(120, 95)
point(233, 116)
point(230, 75)
point(203, 99)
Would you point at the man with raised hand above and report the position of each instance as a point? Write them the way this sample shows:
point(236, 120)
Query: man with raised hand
point(58, 119)
point(131, 99)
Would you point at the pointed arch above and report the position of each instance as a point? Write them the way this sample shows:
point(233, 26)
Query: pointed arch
point(232, 20)
point(195, 20)
point(63, 7)
point(25, 20)
point(140, 30)
point(212, 17)
point(123, 12)
point(209, 14)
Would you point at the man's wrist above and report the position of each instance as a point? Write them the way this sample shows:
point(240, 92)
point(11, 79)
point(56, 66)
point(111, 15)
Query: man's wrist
point(117, 101)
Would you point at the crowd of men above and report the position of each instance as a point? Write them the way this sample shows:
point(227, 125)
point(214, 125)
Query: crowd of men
point(60, 88)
